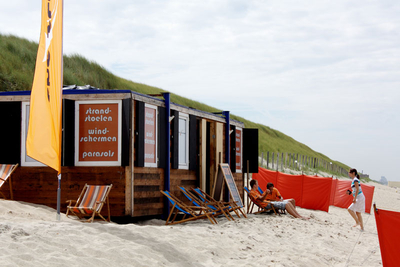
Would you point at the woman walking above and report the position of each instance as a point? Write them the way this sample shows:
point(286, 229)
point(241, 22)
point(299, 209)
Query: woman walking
point(358, 204)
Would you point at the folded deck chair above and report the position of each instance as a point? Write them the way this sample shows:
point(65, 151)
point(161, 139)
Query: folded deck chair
point(90, 202)
point(231, 206)
point(5, 174)
point(190, 213)
point(253, 203)
point(216, 208)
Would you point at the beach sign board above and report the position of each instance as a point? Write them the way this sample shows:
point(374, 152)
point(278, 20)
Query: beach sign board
point(98, 133)
point(224, 175)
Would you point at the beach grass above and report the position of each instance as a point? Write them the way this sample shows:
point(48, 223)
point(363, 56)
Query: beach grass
point(17, 65)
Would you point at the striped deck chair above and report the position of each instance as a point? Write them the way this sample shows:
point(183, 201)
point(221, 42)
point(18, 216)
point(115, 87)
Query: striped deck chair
point(5, 174)
point(90, 202)
point(190, 213)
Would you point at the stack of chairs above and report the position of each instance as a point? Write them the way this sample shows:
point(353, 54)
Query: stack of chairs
point(190, 213)
point(214, 207)
point(228, 206)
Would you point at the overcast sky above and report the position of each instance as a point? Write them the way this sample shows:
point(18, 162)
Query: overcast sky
point(326, 73)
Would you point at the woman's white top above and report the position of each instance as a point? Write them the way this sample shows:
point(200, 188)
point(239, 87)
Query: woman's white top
point(353, 187)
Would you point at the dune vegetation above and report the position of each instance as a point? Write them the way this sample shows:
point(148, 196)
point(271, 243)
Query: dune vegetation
point(17, 65)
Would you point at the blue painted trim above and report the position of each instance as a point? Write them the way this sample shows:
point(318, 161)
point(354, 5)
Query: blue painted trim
point(15, 93)
point(227, 137)
point(72, 92)
point(167, 183)
point(227, 147)
point(93, 91)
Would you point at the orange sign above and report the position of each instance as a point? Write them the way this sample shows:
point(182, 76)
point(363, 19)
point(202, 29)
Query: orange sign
point(150, 152)
point(98, 133)
point(238, 149)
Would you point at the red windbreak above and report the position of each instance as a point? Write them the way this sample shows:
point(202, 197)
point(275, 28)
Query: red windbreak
point(333, 191)
point(368, 191)
point(387, 224)
point(342, 199)
point(265, 176)
point(290, 186)
point(316, 193)
point(313, 192)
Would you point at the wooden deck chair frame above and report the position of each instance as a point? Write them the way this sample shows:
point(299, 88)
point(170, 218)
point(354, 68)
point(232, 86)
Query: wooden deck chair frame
point(212, 207)
point(232, 206)
point(5, 174)
point(190, 213)
point(253, 203)
point(87, 206)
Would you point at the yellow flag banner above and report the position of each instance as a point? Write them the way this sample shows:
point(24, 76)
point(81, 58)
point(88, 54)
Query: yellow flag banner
point(44, 132)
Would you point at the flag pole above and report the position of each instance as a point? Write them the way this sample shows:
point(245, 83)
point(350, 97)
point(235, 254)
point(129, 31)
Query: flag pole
point(43, 142)
point(58, 197)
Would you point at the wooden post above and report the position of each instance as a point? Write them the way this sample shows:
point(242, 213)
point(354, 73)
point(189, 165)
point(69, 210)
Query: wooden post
point(282, 161)
point(286, 160)
point(262, 158)
point(273, 159)
point(294, 160)
point(10, 187)
point(277, 161)
point(301, 159)
point(267, 159)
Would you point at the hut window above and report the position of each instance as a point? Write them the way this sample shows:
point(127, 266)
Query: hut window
point(183, 141)
point(238, 149)
point(25, 159)
point(150, 135)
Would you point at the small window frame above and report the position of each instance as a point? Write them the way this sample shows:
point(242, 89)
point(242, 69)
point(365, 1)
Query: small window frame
point(151, 164)
point(185, 165)
point(240, 160)
point(26, 161)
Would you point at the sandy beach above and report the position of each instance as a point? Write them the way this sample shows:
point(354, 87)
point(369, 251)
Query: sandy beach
point(31, 236)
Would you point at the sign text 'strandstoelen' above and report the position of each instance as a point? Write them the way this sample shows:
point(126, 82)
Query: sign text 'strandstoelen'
point(98, 132)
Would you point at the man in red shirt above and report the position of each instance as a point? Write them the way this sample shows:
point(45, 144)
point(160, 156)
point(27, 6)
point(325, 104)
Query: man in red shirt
point(274, 195)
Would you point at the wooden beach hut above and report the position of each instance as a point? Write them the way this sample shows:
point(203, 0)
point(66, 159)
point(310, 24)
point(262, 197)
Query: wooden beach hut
point(139, 143)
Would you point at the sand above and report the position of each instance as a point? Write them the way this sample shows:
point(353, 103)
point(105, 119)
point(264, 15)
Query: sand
point(31, 236)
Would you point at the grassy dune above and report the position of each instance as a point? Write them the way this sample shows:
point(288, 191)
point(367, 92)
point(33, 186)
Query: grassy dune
point(17, 65)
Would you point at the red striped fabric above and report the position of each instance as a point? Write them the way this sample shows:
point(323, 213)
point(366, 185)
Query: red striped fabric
point(93, 194)
point(5, 171)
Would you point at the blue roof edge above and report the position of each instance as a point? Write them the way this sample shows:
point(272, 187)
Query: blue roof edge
point(72, 92)
point(67, 91)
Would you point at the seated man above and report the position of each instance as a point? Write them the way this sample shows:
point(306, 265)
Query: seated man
point(262, 202)
point(274, 195)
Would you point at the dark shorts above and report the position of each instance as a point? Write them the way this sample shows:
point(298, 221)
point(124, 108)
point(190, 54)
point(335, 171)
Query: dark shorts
point(280, 205)
point(268, 206)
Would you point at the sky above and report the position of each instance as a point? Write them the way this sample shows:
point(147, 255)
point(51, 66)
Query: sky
point(326, 73)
